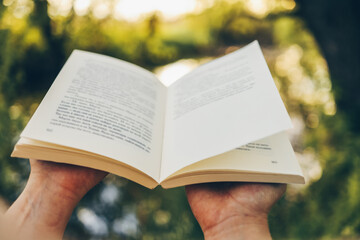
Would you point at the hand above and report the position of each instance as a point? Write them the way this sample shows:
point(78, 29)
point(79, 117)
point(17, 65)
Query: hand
point(233, 210)
point(51, 193)
point(72, 181)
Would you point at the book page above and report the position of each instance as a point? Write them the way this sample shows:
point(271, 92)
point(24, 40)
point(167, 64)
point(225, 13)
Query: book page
point(272, 154)
point(219, 106)
point(105, 106)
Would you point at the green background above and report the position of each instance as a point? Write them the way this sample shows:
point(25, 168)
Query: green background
point(311, 47)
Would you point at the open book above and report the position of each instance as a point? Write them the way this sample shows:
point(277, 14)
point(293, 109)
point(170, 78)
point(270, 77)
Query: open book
point(224, 121)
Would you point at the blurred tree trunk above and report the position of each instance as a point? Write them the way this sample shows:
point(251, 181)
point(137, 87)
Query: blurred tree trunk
point(336, 27)
point(50, 57)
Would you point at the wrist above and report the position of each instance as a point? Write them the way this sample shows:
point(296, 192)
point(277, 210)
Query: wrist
point(42, 210)
point(239, 227)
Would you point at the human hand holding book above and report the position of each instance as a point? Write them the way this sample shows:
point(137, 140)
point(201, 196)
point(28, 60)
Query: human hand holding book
point(43, 209)
point(223, 210)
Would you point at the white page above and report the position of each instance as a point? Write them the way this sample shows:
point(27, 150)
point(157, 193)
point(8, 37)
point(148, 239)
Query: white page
point(105, 106)
point(273, 154)
point(219, 106)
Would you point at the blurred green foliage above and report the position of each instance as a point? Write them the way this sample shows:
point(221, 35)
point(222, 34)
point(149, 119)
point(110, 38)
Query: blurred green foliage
point(35, 42)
